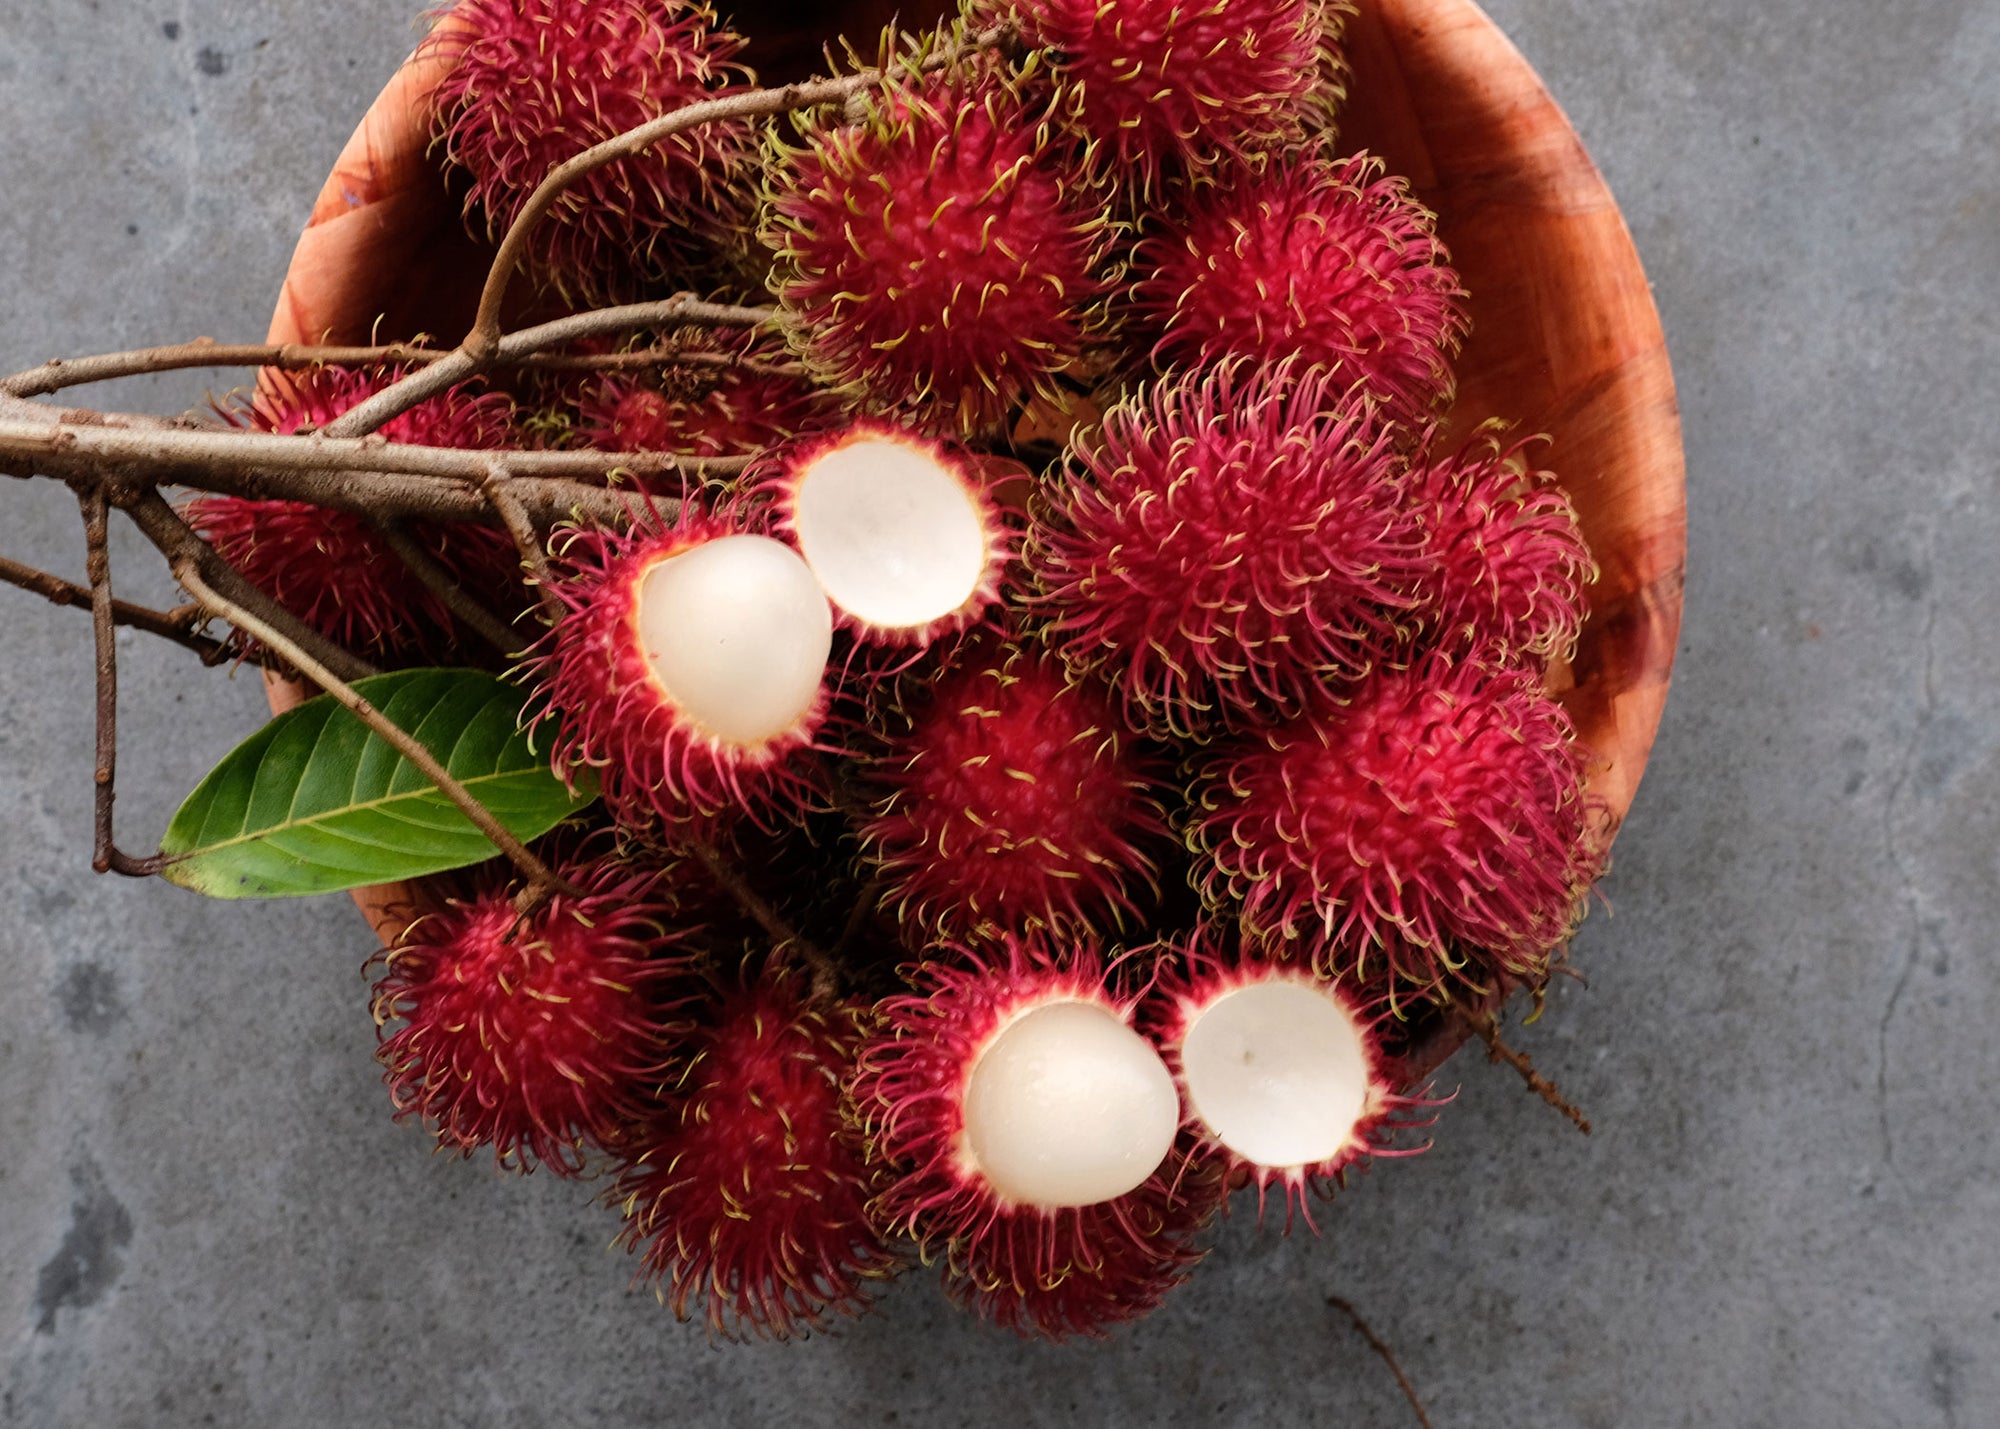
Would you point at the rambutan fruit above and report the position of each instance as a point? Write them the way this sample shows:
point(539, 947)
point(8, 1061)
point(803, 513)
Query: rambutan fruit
point(732, 403)
point(747, 1195)
point(1282, 1072)
point(542, 1035)
point(931, 258)
point(898, 528)
point(1161, 89)
point(1227, 543)
point(1432, 827)
point(331, 568)
point(1023, 1127)
point(1324, 259)
point(689, 669)
point(533, 83)
point(1011, 800)
point(1511, 562)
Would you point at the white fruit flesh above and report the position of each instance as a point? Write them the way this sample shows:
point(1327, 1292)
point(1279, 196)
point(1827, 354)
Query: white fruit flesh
point(892, 533)
point(1277, 1071)
point(1068, 1106)
point(737, 633)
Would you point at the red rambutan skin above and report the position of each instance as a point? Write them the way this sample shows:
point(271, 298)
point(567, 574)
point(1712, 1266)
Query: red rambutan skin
point(331, 568)
point(702, 410)
point(932, 259)
point(590, 676)
point(1512, 566)
point(533, 83)
point(748, 1197)
point(776, 481)
point(1011, 802)
point(1160, 89)
point(1432, 828)
point(1307, 256)
point(1226, 544)
point(538, 1037)
point(1052, 1274)
point(1197, 969)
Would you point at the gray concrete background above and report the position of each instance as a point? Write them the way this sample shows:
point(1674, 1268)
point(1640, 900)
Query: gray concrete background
point(1789, 1214)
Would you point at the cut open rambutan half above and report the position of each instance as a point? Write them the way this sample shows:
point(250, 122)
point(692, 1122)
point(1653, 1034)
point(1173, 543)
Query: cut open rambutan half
point(1024, 1128)
point(1282, 1071)
point(747, 1195)
point(897, 527)
point(689, 669)
point(1432, 828)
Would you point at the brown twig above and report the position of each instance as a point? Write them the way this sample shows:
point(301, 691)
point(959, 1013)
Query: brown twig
point(192, 559)
point(681, 310)
point(180, 625)
point(539, 875)
point(866, 902)
point(527, 540)
point(825, 971)
point(436, 579)
point(1381, 1347)
point(106, 856)
point(1487, 1030)
point(60, 374)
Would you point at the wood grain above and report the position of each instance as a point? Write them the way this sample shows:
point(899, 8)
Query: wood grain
point(1566, 340)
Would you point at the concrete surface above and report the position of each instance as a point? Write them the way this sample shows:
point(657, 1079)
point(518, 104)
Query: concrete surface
point(1789, 1215)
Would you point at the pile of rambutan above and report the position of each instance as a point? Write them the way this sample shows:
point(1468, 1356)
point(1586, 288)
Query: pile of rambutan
point(1099, 733)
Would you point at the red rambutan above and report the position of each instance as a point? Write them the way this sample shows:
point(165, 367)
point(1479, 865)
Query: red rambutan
point(689, 669)
point(1320, 258)
point(1022, 1125)
point(1435, 822)
point(709, 410)
point(1512, 565)
point(536, 1036)
point(1157, 89)
point(1011, 801)
point(748, 1195)
point(899, 529)
point(331, 568)
point(1282, 1073)
point(535, 82)
point(931, 259)
point(1226, 544)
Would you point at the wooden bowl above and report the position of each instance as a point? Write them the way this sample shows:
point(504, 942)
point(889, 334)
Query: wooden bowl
point(1565, 338)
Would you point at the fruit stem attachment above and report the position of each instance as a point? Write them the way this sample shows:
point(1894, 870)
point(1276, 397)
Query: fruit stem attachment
point(1487, 1029)
point(527, 540)
point(1381, 1347)
point(826, 974)
point(541, 878)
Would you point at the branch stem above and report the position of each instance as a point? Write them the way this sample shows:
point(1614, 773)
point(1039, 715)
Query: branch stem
point(825, 971)
point(1381, 1347)
point(436, 579)
point(1487, 1029)
point(106, 856)
point(180, 625)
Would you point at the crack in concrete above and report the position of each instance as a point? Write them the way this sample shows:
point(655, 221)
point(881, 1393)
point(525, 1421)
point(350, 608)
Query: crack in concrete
point(1898, 857)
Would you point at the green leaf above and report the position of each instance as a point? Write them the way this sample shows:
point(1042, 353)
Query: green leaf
point(315, 802)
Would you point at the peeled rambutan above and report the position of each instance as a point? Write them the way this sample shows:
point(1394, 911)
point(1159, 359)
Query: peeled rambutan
point(1511, 562)
point(689, 670)
point(536, 1036)
point(747, 1195)
point(932, 259)
point(1433, 827)
point(331, 568)
point(1282, 1072)
point(1160, 89)
point(899, 529)
point(1024, 1129)
point(533, 83)
point(1011, 800)
point(1308, 256)
point(1227, 543)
